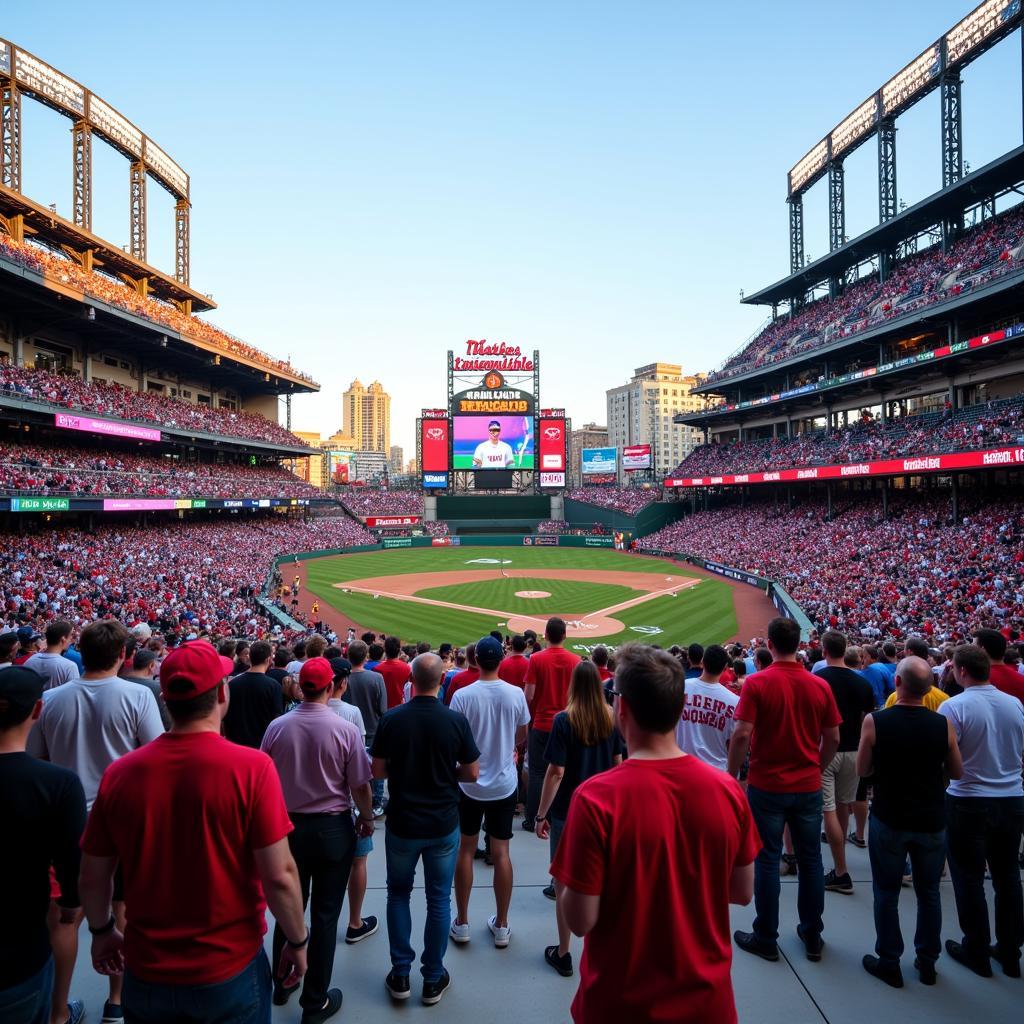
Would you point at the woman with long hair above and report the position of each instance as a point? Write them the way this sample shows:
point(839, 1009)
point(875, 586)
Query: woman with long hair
point(583, 743)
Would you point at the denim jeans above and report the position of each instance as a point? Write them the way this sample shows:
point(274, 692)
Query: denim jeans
point(377, 785)
point(984, 830)
point(438, 872)
point(536, 746)
point(29, 1002)
point(889, 849)
point(243, 999)
point(802, 813)
point(323, 846)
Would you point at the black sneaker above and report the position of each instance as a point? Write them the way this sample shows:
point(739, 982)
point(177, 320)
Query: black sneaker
point(839, 883)
point(980, 967)
point(1011, 968)
point(397, 985)
point(479, 853)
point(112, 1013)
point(859, 843)
point(813, 946)
point(875, 968)
point(354, 935)
point(549, 891)
point(329, 1009)
point(562, 964)
point(433, 990)
point(527, 825)
point(750, 943)
point(925, 971)
point(282, 994)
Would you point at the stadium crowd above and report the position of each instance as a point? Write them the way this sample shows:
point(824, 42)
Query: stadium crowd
point(107, 289)
point(70, 392)
point(987, 251)
point(80, 471)
point(988, 425)
point(629, 500)
point(873, 577)
point(379, 501)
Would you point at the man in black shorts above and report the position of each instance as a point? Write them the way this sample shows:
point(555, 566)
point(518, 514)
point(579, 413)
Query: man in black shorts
point(498, 716)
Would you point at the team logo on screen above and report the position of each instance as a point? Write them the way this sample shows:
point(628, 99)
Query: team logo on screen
point(494, 380)
point(435, 433)
point(552, 433)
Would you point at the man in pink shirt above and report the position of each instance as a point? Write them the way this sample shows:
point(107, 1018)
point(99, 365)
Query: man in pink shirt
point(323, 767)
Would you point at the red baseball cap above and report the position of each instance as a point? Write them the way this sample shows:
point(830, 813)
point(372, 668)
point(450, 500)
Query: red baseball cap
point(196, 663)
point(316, 674)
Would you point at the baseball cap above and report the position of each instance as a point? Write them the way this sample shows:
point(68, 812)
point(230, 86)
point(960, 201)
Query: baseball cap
point(196, 663)
point(25, 633)
point(494, 423)
point(316, 674)
point(341, 667)
point(489, 653)
point(20, 688)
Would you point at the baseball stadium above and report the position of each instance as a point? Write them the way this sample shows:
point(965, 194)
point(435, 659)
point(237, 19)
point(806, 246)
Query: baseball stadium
point(859, 470)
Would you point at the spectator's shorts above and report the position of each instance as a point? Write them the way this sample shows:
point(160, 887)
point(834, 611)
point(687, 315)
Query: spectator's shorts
point(496, 815)
point(839, 780)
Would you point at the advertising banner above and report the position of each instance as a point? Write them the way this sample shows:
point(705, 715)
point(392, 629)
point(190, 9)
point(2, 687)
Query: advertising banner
point(340, 466)
point(598, 542)
point(375, 522)
point(397, 542)
point(599, 460)
point(66, 421)
point(991, 458)
point(740, 575)
point(145, 504)
point(492, 442)
point(40, 504)
point(636, 456)
point(551, 442)
point(552, 479)
point(434, 447)
point(435, 480)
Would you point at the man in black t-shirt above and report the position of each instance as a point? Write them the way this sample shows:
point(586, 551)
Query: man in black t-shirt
point(424, 750)
point(43, 810)
point(256, 700)
point(839, 780)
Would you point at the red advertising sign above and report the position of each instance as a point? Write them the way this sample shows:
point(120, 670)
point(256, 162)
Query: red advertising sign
point(375, 522)
point(990, 458)
point(551, 437)
point(434, 446)
point(636, 456)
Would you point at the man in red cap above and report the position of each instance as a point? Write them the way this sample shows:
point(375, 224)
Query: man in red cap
point(199, 826)
point(323, 767)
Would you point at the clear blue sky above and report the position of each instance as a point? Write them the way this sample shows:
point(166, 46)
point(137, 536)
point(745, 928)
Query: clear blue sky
point(374, 183)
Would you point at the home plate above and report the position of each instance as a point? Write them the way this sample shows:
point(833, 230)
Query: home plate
point(533, 593)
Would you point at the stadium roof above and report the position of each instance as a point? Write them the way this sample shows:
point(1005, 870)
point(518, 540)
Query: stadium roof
point(995, 178)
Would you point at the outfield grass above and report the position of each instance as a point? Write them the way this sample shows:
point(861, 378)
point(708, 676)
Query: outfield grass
point(703, 613)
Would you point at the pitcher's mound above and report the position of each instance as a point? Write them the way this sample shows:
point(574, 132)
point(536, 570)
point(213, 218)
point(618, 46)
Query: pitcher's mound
point(533, 593)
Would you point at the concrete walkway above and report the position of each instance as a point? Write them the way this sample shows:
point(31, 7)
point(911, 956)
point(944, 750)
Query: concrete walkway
point(492, 986)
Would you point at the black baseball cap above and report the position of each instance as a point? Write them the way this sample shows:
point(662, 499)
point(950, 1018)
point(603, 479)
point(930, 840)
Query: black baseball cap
point(20, 688)
point(493, 424)
point(341, 667)
point(489, 653)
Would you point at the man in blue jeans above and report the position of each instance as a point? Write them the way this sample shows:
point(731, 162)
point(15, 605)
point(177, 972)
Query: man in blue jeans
point(424, 750)
point(909, 750)
point(794, 721)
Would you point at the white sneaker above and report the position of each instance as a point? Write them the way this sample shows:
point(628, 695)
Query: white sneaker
point(501, 935)
point(459, 932)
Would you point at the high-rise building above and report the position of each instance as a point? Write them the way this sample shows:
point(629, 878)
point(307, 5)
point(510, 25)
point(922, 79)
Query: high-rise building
point(641, 412)
point(590, 435)
point(310, 468)
point(396, 460)
point(366, 416)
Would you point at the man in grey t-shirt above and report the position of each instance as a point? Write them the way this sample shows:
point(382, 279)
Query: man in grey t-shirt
point(51, 663)
point(366, 690)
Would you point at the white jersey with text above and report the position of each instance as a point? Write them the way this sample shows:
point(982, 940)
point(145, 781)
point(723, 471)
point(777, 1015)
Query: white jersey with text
point(493, 456)
point(707, 722)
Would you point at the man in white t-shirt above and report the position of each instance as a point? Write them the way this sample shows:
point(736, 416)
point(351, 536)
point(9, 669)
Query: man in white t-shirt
point(493, 453)
point(51, 663)
point(985, 816)
point(498, 717)
point(707, 722)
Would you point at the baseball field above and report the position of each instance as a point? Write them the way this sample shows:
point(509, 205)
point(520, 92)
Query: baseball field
point(458, 594)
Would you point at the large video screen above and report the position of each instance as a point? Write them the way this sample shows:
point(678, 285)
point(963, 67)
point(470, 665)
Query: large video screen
point(434, 447)
point(600, 461)
point(492, 442)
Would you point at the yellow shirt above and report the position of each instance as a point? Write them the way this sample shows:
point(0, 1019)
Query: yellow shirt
point(932, 699)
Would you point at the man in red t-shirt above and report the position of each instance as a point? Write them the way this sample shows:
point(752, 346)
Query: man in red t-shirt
point(395, 671)
point(652, 854)
point(794, 721)
point(1002, 677)
point(547, 689)
point(513, 668)
point(468, 675)
point(199, 826)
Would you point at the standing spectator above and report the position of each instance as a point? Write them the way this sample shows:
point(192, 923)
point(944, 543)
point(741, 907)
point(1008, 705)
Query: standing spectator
point(694, 660)
point(8, 649)
point(875, 673)
point(708, 719)
point(656, 946)
point(908, 750)
point(394, 670)
point(498, 718)
point(51, 664)
point(795, 725)
point(425, 750)
point(584, 742)
point(43, 809)
point(144, 669)
point(200, 827)
point(466, 677)
point(993, 643)
point(839, 780)
point(320, 806)
point(29, 641)
point(86, 725)
point(367, 691)
point(985, 816)
point(547, 689)
point(256, 700)
point(513, 668)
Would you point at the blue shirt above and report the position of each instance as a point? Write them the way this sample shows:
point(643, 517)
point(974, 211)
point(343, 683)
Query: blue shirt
point(876, 675)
